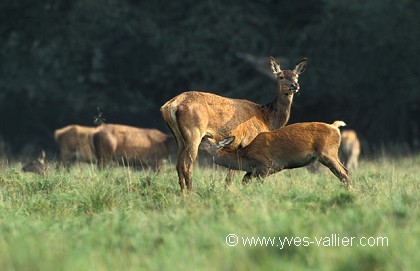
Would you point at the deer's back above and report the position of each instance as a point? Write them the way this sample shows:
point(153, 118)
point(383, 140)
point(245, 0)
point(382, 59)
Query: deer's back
point(294, 140)
point(220, 116)
point(76, 140)
point(133, 141)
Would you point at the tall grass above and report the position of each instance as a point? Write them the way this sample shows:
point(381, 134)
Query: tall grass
point(89, 219)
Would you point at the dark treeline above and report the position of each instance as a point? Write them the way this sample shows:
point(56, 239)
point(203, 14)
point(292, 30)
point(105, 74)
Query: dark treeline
point(61, 60)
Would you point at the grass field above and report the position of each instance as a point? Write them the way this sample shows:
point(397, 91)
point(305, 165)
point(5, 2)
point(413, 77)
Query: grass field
point(122, 219)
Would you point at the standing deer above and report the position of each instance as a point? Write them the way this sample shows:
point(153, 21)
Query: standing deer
point(193, 115)
point(136, 146)
point(75, 143)
point(349, 149)
point(291, 146)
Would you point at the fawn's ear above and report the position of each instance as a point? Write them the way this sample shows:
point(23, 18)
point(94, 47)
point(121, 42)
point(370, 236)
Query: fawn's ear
point(226, 142)
point(301, 66)
point(275, 67)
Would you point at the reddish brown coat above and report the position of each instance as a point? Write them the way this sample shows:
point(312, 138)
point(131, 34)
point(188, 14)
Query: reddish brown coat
point(75, 143)
point(292, 146)
point(350, 149)
point(194, 115)
point(131, 145)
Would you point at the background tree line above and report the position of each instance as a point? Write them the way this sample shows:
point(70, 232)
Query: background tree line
point(60, 60)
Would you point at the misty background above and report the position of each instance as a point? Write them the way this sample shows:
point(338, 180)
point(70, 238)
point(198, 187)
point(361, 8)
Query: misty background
point(61, 60)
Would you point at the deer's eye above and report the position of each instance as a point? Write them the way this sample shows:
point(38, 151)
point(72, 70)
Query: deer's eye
point(281, 77)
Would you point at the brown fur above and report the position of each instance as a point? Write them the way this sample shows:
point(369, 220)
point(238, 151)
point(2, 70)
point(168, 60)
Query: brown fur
point(37, 166)
point(136, 146)
point(292, 146)
point(194, 115)
point(75, 143)
point(349, 149)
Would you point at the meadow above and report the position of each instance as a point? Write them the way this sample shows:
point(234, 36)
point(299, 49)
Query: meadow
point(83, 218)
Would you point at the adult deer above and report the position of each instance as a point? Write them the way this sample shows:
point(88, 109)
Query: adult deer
point(349, 149)
point(75, 143)
point(193, 115)
point(292, 146)
point(140, 147)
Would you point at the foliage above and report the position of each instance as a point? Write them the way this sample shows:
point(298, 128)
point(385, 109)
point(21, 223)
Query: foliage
point(363, 67)
point(60, 60)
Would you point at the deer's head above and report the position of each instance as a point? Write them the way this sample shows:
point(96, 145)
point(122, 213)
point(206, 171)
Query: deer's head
point(287, 79)
point(211, 147)
point(37, 166)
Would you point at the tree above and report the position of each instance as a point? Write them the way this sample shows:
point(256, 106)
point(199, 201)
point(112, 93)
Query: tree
point(363, 67)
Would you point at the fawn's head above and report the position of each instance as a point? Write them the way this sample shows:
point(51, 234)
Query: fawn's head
point(287, 79)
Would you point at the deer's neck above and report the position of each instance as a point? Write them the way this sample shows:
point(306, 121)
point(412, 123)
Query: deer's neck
point(231, 159)
point(279, 110)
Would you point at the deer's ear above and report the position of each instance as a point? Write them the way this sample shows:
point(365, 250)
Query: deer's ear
point(301, 66)
point(226, 142)
point(275, 67)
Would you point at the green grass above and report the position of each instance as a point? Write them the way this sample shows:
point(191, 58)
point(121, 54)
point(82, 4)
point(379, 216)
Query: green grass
point(122, 219)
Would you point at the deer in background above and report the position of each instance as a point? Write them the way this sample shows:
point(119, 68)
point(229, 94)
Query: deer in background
point(292, 146)
point(38, 166)
point(75, 143)
point(131, 145)
point(349, 149)
point(193, 115)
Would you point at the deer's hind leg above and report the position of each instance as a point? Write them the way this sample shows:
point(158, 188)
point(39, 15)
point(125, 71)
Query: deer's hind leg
point(337, 168)
point(192, 136)
point(185, 163)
